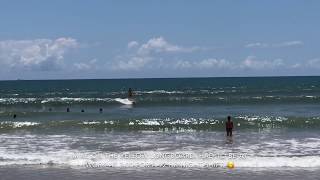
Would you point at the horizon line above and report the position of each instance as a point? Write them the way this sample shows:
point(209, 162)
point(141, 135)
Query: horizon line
point(200, 77)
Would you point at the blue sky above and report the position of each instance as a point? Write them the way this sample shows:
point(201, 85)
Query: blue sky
point(128, 39)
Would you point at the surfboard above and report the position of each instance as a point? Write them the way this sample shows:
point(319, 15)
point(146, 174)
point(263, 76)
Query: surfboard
point(125, 101)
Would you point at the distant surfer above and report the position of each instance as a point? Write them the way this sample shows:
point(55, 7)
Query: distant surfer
point(127, 101)
point(130, 96)
point(229, 126)
point(130, 93)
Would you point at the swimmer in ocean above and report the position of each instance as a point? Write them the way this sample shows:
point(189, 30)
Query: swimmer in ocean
point(229, 126)
point(130, 93)
point(130, 96)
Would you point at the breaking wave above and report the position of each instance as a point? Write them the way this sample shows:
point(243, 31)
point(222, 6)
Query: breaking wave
point(169, 124)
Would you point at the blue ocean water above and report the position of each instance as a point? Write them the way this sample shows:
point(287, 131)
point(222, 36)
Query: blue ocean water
point(175, 122)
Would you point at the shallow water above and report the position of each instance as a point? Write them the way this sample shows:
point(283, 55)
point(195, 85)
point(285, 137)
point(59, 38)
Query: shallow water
point(37, 173)
point(176, 128)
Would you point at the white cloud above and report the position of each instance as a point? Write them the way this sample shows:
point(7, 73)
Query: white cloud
point(134, 63)
point(295, 66)
point(183, 64)
point(156, 53)
point(159, 44)
point(133, 44)
point(257, 44)
point(82, 66)
point(149, 53)
point(310, 64)
point(274, 45)
point(41, 54)
point(288, 44)
point(313, 63)
point(204, 64)
point(252, 63)
point(214, 63)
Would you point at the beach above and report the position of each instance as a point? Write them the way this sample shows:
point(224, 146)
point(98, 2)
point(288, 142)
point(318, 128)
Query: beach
point(50, 173)
point(176, 128)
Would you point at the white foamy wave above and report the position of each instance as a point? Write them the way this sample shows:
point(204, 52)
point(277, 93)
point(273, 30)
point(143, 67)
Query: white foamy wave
point(170, 121)
point(262, 118)
point(311, 96)
point(143, 159)
point(90, 122)
point(17, 100)
point(17, 124)
point(124, 150)
point(265, 162)
point(51, 100)
point(71, 100)
point(160, 92)
point(149, 122)
point(124, 101)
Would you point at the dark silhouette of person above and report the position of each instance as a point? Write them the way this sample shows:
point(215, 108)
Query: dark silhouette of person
point(68, 109)
point(130, 93)
point(14, 116)
point(229, 126)
point(100, 110)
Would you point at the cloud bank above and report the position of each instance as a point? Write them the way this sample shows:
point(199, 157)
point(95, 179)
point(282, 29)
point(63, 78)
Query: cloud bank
point(274, 45)
point(249, 63)
point(155, 55)
point(148, 53)
point(158, 53)
point(37, 54)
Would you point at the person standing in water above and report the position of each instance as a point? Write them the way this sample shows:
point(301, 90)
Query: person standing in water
point(229, 126)
point(130, 93)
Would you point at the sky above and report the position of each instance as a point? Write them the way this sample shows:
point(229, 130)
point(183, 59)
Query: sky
point(81, 39)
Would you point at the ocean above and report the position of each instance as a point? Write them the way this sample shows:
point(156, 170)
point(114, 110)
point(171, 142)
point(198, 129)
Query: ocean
point(175, 128)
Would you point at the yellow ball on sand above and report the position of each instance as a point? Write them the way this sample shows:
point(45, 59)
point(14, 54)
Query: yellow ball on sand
point(230, 165)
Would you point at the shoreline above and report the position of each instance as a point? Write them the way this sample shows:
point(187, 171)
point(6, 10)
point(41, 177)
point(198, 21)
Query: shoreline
point(50, 173)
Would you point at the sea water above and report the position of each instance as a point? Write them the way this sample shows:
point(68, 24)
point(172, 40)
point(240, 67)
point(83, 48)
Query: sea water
point(176, 127)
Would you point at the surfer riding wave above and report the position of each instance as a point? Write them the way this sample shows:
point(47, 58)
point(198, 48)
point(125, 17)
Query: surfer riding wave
point(129, 100)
